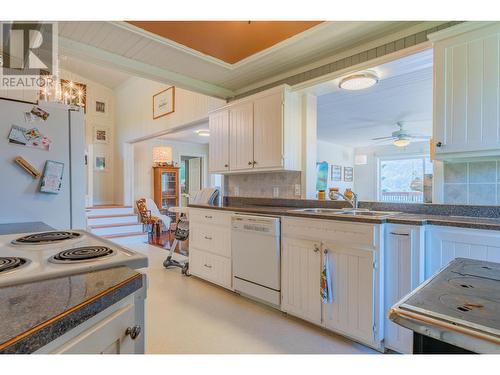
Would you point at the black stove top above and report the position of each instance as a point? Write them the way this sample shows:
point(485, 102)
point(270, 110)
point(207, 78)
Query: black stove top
point(11, 263)
point(46, 237)
point(81, 254)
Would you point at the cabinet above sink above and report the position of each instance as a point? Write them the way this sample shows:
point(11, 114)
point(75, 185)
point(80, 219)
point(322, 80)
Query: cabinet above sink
point(257, 133)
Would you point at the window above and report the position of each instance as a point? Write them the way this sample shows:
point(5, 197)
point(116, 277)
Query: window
point(405, 180)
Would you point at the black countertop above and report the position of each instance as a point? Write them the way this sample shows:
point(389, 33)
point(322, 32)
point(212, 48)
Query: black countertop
point(34, 314)
point(401, 218)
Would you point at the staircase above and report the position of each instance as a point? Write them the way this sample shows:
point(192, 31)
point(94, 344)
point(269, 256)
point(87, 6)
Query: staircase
point(117, 223)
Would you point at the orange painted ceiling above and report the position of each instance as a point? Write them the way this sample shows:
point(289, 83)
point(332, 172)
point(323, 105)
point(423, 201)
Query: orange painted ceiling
point(229, 41)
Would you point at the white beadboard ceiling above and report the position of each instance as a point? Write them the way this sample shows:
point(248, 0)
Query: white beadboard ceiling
point(404, 93)
point(105, 76)
point(119, 45)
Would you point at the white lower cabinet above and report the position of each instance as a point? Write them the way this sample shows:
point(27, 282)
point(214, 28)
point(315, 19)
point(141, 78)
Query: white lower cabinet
point(443, 244)
point(352, 311)
point(403, 272)
point(210, 246)
point(300, 279)
point(211, 267)
point(353, 251)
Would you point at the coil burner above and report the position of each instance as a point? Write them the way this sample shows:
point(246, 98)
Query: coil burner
point(44, 238)
point(82, 254)
point(12, 264)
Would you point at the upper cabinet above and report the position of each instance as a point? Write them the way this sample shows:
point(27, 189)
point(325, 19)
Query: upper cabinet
point(241, 137)
point(260, 132)
point(219, 145)
point(467, 90)
point(268, 131)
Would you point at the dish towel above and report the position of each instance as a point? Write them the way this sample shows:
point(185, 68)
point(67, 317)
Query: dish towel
point(326, 281)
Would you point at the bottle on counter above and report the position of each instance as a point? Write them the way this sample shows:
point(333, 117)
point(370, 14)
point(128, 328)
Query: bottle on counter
point(321, 195)
point(348, 193)
point(333, 193)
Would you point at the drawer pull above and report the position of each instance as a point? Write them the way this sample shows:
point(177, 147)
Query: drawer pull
point(206, 265)
point(208, 238)
point(400, 234)
point(208, 217)
point(133, 332)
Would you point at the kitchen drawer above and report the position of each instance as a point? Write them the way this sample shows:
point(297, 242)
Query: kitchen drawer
point(206, 216)
point(210, 267)
point(353, 234)
point(106, 337)
point(213, 238)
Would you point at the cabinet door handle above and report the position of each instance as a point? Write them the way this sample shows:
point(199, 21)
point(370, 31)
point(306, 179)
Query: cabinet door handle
point(208, 237)
point(316, 248)
point(133, 332)
point(250, 163)
point(254, 162)
point(439, 144)
point(325, 251)
point(208, 217)
point(206, 265)
point(226, 165)
point(400, 234)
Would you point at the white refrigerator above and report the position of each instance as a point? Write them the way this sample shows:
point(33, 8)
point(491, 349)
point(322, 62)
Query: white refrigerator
point(20, 196)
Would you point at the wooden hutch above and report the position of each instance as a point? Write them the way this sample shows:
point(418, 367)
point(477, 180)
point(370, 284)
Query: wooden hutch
point(166, 188)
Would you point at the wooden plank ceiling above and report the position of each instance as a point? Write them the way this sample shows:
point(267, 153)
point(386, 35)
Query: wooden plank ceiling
point(229, 41)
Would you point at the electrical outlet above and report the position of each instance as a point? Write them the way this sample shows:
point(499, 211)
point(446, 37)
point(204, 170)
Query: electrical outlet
point(236, 191)
point(298, 190)
point(276, 192)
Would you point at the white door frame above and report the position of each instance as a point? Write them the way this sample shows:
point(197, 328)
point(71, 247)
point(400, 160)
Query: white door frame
point(128, 174)
point(90, 176)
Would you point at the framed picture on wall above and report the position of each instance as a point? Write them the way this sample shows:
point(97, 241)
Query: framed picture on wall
point(336, 173)
point(348, 172)
point(100, 107)
point(164, 103)
point(101, 163)
point(101, 134)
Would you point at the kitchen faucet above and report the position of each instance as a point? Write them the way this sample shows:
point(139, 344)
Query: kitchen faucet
point(353, 201)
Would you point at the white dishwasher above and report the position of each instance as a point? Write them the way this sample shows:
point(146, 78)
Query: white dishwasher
point(256, 253)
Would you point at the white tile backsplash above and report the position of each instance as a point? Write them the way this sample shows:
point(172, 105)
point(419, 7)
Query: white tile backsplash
point(263, 185)
point(472, 182)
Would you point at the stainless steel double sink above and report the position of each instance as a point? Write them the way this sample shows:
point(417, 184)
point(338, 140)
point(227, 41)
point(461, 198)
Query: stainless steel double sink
point(344, 212)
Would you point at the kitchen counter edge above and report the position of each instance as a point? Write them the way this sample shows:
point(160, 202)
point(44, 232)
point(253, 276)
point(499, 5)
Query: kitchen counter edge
point(403, 218)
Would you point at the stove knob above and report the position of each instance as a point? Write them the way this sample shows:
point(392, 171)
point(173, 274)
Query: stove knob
point(133, 332)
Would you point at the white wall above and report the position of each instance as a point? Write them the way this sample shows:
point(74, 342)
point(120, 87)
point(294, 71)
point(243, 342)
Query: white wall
point(336, 155)
point(365, 176)
point(143, 162)
point(103, 181)
point(134, 117)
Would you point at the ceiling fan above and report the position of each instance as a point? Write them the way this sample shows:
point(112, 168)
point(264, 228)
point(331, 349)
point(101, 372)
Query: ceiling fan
point(401, 137)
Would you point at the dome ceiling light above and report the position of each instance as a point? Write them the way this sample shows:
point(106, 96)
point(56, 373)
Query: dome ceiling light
point(358, 81)
point(203, 132)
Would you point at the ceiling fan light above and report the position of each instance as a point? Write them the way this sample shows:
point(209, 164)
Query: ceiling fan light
point(359, 81)
point(401, 142)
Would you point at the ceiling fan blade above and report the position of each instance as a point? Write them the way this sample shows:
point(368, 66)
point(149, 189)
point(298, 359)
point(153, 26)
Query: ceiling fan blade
point(418, 136)
point(382, 138)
